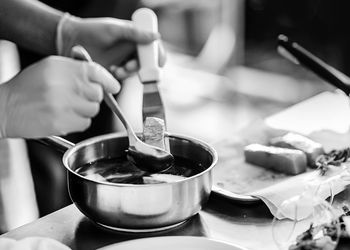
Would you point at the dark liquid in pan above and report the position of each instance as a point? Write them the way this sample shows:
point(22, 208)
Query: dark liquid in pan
point(120, 170)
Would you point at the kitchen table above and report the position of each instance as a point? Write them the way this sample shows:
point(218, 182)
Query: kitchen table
point(248, 225)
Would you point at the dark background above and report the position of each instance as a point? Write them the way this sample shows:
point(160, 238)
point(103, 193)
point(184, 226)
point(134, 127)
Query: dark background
point(321, 26)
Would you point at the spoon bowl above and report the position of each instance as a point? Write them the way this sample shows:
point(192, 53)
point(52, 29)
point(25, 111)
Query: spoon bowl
point(144, 156)
point(155, 160)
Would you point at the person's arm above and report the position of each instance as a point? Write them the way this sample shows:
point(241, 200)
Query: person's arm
point(30, 24)
point(110, 41)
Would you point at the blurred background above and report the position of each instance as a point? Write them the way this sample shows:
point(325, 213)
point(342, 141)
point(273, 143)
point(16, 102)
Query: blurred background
point(224, 64)
point(222, 73)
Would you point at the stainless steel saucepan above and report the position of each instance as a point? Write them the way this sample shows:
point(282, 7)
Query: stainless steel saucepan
point(131, 207)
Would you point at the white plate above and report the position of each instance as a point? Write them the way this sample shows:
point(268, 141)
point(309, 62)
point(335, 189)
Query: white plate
point(173, 243)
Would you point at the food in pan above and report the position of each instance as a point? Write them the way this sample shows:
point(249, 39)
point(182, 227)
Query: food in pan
point(120, 170)
point(161, 178)
point(288, 161)
point(311, 148)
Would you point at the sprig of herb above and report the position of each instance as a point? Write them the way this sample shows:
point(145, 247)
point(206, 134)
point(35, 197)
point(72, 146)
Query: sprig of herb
point(343, 231)
point(307, 240)
point(334, 158)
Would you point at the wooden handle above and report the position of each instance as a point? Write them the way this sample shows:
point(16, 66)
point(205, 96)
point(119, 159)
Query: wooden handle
point(145, 19)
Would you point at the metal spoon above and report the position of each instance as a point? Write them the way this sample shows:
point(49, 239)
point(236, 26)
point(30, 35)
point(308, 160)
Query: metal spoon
point(144, 156)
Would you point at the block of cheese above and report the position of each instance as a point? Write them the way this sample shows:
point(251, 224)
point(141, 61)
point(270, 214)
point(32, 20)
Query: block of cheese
point(311, 148)
point(288, 161)
point(153, 132)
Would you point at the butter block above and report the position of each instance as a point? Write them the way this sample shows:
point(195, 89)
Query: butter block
point(311, 148)
point(288, 161)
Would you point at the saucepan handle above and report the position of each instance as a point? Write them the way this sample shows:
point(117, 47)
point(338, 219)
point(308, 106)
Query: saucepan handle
point(56, 142)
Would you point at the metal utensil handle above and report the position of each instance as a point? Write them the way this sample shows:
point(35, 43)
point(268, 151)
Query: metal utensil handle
point(315, 64)
point(58, 143)
point(114, 106)
point(146, 20)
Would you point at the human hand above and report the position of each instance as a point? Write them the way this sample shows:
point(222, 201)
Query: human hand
point(110, 42)
point(54, 96)
point(32, 243)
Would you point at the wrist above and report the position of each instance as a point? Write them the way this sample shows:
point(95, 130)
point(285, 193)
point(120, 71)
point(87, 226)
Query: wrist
point(66, 34)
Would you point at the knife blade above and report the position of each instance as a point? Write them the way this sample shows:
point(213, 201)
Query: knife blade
point(152, 104)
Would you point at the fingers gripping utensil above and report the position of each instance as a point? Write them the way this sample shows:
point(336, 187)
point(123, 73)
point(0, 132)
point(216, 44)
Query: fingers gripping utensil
point(146, 20)
point(297, 54)
point(144, 156)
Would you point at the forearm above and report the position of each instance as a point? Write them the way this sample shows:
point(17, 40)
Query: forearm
point(30, 24)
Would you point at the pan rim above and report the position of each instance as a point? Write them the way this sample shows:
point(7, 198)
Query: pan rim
point(95, 139)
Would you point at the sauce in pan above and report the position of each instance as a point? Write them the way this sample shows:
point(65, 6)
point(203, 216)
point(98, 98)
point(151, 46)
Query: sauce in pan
point(120, 170)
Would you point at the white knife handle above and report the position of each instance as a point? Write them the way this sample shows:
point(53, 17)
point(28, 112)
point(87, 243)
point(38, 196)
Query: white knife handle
point(145, 19)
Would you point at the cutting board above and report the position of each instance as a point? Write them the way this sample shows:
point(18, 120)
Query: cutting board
point(324, 118)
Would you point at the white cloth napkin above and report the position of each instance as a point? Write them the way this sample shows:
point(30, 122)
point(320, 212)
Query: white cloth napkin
point(295, 197)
